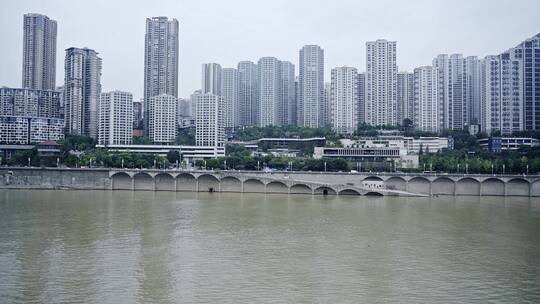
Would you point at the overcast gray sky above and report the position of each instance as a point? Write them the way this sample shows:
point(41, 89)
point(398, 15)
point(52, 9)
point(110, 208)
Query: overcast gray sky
point(229, 31)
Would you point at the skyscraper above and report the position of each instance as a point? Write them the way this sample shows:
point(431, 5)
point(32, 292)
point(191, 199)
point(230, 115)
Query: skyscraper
point(270, 97)
point(381, 83)
point(425, 112)
point(32, 103)
point(361, 98)
point(229, 91)
point(115, 118)
point(209, 127)
point(405, 95)
point(39, 52)
point(288, 117)
point(344, 100)
point(82, 88)
point(529, 53)
point(211, 78)
point(162, 118)
point(160, 60)
point(248, 94)
point(310, 86)
point(325, 106)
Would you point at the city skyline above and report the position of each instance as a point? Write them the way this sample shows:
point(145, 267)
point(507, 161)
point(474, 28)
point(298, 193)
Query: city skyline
point(76, 30)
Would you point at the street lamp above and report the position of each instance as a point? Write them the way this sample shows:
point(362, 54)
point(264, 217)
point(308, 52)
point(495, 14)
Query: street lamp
point(258, 165)
point(492, 169)
point(122, 163)
point(504, 168)
point(466, 168)
point(29, 162)
point(458, 168)
point(324, 166)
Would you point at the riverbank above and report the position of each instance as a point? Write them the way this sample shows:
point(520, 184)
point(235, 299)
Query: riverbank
point(310, 183)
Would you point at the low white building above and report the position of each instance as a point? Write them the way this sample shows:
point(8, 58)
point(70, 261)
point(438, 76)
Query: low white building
point(162, 118)
point(188, 153)
point(115, 118)
point(410, 144)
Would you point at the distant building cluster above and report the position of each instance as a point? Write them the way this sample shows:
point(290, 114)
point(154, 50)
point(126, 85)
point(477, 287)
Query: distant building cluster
point(497, 93)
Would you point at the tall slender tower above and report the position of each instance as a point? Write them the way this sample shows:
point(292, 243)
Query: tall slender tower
point(39, 52)
point(381, 83)
point(229, 91)
point(82, 89)
point(160, 61)
point(270, 98)
point(211, 78)
point(310, 86)
point(344, 100)
point(248, 93)
point(405, 96)
point(288, 116)
point(425, 112)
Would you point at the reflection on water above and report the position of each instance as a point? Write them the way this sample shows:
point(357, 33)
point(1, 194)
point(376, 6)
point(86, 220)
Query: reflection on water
point(162, 247)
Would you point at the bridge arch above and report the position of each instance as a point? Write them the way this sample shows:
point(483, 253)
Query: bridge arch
point(443, 186)
point(324, 190)
point(208, 183)
point(121, 181)
point(535, 188)
point(186, 182)
point(300, 189)
point(276, 187)
point(143, 181)
point(468, 186)
point(164, 182)
point(349, 192)
point(253, 185)
point(396, 183)
point(231, 184)
point(517, 187)
point(374, 193)
point(419, 185)
point(372, 178)
point(492, 186)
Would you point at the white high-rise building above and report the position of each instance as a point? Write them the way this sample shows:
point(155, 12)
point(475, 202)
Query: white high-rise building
point(288, 117)
point(459, 90)
point(381, 83)
point(115, 118)
point(344, 100)
point(310, 86)
point(229, 91)
point(270, 97)
point(162, 118)
point(502, 93)
point(211, 78)
point(405, 95)
point(325, 106)
point(425, 112)
point(248, 94)
point(209, 126)
point(160, 61)
point(82, 89)
point(39, 52)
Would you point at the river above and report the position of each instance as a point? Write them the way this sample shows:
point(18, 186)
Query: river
point(166, 247)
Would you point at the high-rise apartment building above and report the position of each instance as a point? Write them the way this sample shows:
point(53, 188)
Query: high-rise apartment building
point(229, 91)
point(405, 96)
point(288, 116)
point(209, 127)
point(425, 112)
point(344, 100)
point(32, 103)
point(381, 83)
point(82, 89)
point(162, 118)
point(160, 61)
point(361, 98)
point(248, 93)
point(137, 114)
point(270, 97)
point(529, 53)
point(325, 106)
point(211, 78)
point(310, 86)
point(39, 52)
point(115, 118)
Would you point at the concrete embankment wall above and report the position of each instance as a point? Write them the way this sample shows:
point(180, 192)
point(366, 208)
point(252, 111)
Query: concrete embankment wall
point(38, 178)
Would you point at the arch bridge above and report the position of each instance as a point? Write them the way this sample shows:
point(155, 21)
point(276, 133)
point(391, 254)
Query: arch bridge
point(325, 183)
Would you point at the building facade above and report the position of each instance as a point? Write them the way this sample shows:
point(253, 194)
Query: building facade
point(229, 91)
point(28, 102)
point(248, 94)
point(23, 130)
point(115, 118)
point(211, 78)
point(381, 83)
point(326, 106)
point(82, 89)
point(160, 61)
point(344, 100)
point(425, 112)
point(39, 52)
point(288, 93)
point(162, 118)
point(270, 96)
point(405, 96)
point(209, 125)
point(310, 86)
